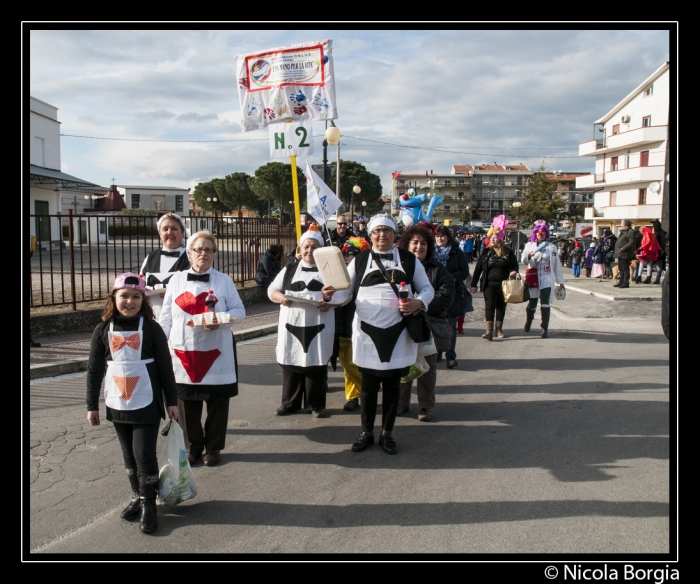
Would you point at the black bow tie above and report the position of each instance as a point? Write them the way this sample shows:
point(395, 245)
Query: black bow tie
point(311, 269)
point(170, 254)
point(198, 277)
point(386, 256)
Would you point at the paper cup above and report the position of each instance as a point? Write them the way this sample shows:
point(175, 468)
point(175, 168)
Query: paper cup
point(209, 317)
point(223, 317)
point(197, 319)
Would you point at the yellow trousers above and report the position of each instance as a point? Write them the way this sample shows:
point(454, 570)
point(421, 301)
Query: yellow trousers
point(353, 377)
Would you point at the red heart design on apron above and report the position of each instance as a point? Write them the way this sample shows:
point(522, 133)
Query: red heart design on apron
point(192, 304)
point(197, 363)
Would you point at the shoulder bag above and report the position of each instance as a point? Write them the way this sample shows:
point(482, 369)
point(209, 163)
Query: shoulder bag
point(515, 290)
point(442, 333)
point(417, 324)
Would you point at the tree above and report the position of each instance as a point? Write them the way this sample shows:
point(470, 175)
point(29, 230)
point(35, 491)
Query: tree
point(204, 191)
point(273, 182)
point(352, 173)
point(541, 201)
point(235, 192)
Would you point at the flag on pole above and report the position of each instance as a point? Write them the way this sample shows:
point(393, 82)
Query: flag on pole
point(321, 201)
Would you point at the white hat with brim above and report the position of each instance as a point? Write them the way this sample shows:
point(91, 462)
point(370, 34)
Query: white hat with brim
point(381, 220)
point(311, 235)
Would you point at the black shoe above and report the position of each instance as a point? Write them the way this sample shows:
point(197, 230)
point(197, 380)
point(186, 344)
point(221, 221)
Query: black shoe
point(365, 439)
point(282, 411)
point(33, 343)
point(133, 509)
point(149, 516)
point(624, 286)
point(451, 363)
point(387, 443)
point(351, 404)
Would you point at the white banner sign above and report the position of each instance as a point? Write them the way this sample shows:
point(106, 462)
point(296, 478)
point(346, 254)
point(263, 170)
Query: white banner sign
point(295, 82)
point(321, 201)
point(295, 139)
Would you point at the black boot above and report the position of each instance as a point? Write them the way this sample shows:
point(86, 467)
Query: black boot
point(133, 509)
point(544, 325)
point(529, 317)
point(147, 490)
point(648, 280)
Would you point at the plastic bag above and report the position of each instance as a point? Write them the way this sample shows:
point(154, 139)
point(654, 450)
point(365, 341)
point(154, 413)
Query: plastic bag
point(417, 369)
point(176, 481)
point(427, 348)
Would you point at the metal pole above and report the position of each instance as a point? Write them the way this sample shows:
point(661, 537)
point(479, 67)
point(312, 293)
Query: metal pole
point(72, 260)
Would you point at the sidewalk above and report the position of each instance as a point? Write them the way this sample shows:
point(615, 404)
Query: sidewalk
point(62, 354)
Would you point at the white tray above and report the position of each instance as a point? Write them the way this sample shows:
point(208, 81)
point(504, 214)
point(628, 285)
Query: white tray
point(307, 301)
point(221, 325)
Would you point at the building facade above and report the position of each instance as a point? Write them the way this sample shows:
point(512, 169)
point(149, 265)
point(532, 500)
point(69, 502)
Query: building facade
point(630, 157)
point(161, 199)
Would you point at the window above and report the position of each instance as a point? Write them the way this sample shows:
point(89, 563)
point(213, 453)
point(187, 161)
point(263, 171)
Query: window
point(613, 198)
point(613, 163)
point(446, 207)
point(642, 196)
point(644, 158)
point(448, 181)
point(649, 91)
point(616, 129)
point(460, 194)
point(135, 201)
point(646, 121)
point(479, 191)
point(627, 161)
point(178, 202)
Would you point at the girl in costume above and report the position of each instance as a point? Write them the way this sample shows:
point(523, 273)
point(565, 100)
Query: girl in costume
point(647, 253)
point(306, 328)
point(133, 350)
point(542, 256)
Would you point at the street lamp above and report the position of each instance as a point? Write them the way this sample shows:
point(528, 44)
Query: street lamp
point(91, 198)
point(333, 138)
point(516, 205)
point(491, 197)
point(356, 190)
point(364, 205)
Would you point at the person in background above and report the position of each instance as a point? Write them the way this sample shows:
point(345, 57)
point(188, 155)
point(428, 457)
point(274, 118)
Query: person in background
point(419, 241)
point(447, 253)
point(625, 247)
point(576, 256)
point(341, 233)
point(170, 258)
point(469, 247)
point(269, 265)
point(588, 259)
point(362, 231)
point(608, 247)
point(660, 263)
point(647, 253)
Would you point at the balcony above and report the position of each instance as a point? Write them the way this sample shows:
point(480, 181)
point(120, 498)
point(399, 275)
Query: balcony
point(642, 174)
point(649, 212)
point(624, 140)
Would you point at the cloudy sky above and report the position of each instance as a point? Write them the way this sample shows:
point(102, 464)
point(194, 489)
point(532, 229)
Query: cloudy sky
point(409, 101)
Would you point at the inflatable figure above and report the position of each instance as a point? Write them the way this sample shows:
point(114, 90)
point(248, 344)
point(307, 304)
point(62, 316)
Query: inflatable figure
point(411, 207)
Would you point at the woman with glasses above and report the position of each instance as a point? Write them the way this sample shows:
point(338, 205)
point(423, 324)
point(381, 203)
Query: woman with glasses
point(204, 356)
point(160, 264)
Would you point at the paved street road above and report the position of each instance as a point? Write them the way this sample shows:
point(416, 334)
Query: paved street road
point(556, 446)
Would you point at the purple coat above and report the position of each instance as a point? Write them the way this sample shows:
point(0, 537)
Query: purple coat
point(588, 258)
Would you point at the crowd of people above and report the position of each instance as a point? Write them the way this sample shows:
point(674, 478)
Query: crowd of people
point(163, 348)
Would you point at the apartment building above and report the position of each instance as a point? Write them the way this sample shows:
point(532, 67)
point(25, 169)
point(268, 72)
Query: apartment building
point(455, 190)
point(566, 185)
point(629, 147)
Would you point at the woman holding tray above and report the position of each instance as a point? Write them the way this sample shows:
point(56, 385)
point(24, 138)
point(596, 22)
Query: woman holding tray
point(306, 329)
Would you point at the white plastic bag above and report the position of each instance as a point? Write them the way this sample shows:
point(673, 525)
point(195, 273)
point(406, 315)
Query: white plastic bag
point(176, 482)
point(427, 348)
point(417, 369)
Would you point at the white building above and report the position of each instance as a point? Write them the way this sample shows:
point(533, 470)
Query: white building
point(52, 192)
point(630, 157)
point(161, 199)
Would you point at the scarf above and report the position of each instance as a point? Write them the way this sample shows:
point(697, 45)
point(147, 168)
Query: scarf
point(442, 254)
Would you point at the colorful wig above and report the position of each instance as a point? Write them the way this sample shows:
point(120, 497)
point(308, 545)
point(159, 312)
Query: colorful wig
point(540, 225)
point(355, 245)
point(498, 227)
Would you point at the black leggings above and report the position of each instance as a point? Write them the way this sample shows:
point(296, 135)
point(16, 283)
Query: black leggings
point(138, 442)
point(495, 304)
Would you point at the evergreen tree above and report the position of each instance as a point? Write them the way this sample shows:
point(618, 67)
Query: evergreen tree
point(352, 173)
point(541, 201)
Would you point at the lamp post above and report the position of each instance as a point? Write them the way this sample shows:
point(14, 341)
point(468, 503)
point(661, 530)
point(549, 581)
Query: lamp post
point(356, 190)
point(212, 201)
point(91, 198)
point(364, 205)
point(491, 197)
point(516, 205)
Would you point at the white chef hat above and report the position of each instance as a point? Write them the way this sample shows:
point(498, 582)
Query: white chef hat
point(174, 216)
point(378, 220)
point(311, 234)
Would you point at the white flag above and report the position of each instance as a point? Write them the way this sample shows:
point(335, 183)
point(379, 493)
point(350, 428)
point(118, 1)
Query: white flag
point(321, 201)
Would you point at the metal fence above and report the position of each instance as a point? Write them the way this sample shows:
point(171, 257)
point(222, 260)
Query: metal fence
point(77, 257)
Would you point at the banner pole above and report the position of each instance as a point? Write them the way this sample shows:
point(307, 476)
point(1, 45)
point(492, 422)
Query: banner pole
point(295, 187)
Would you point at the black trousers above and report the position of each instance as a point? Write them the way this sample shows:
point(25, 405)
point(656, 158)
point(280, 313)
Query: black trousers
point(213, 435)
point(391, 388)
point(495, 303)
point(307, 389)
point(138, 442)
point(624, 266)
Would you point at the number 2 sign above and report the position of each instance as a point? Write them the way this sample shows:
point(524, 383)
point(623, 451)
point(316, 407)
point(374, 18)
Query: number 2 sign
point(291, 139)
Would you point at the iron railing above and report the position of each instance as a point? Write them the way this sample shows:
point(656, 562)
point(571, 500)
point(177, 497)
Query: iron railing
point(77, 257)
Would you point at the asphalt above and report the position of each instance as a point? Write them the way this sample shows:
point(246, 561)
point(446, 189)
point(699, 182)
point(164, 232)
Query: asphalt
point(548, 447)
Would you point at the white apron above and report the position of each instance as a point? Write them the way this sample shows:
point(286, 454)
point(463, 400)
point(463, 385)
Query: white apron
point(305, 334)
point(127, 384)
point(379, 339)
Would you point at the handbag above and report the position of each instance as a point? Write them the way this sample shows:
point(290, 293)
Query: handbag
point(531, 278)
point(467, 305)
point(176, 481)
point(442, 333)
point(417, 324)
point(515, 290)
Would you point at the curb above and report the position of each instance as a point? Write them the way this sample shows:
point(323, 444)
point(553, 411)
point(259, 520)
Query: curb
point(75, 366)
point(608, 296)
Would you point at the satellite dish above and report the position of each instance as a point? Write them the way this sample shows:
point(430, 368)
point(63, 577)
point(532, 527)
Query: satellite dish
point(654, 187)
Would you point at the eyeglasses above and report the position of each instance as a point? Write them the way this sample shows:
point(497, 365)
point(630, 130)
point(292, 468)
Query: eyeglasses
point(201, 250)
point(341, 223)
point(379, 230)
